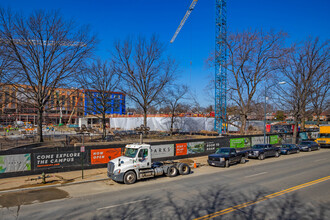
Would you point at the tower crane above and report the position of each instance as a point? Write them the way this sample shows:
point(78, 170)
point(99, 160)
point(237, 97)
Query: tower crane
point(220, 119)
point(191, 7)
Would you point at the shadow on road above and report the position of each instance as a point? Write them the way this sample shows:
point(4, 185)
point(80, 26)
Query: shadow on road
point(219, 203)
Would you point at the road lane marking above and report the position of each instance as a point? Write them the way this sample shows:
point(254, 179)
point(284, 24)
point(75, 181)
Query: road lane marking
point(127, 203)
point(270, 196)
point(257, 174)
point(321, 159)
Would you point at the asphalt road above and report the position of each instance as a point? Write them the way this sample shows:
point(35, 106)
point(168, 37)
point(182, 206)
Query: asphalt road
point(290, 187)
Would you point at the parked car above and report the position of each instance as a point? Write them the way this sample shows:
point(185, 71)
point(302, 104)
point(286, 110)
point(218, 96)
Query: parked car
point(226, 156)
point(261, 151)
point(289, 149)
point(309, 146)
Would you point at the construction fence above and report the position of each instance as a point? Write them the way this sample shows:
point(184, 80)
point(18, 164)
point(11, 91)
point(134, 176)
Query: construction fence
point(25, 161)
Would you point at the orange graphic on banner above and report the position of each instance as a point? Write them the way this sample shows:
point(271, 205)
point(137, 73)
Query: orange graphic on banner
point(99, 156)
point(181, 149)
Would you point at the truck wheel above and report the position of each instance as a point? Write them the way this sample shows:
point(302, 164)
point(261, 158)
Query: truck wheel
point(184, 169)
point(172, 171)
point(129, 177)
point(243, 160)
point(261, 156)
point(227, 163)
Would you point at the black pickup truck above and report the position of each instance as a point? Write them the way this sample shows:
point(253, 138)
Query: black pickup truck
point(226, 156)
point(261, 151)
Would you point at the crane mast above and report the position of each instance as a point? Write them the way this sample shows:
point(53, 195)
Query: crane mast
point(191, 7)
point(220, 119)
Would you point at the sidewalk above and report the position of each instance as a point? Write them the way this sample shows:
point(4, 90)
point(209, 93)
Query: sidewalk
point(67, 178)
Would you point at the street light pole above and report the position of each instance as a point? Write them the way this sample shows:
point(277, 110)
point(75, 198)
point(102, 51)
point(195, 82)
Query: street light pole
point(265, 115)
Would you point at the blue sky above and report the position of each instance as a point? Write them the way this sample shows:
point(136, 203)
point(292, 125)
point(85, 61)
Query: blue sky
point(117, 19)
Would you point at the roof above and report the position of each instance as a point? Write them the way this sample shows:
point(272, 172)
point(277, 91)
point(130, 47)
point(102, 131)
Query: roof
point(137, 145)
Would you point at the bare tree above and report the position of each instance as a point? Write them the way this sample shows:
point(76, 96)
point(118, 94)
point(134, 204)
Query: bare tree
point(99, 80)
point(144, 70)
point(307, 64)
point(320, 94)
point(172, 98)
point(252, 58)
point(45, 51)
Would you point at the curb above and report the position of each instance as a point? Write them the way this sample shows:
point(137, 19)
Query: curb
point(50, 186)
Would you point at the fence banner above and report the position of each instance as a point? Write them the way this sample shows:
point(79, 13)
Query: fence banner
point(240, 142)
point(212, 146)
point(259, 140)
point(195, 147)
point(273, 139)
point(100, 156)
point(159, 151)
point(58, 159)
point(181, 149)
point(15, 163)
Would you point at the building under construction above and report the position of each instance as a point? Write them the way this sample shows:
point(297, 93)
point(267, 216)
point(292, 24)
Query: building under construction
point(64, 106)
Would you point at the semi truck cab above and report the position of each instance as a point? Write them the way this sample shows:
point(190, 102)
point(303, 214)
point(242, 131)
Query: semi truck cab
point(135, 164)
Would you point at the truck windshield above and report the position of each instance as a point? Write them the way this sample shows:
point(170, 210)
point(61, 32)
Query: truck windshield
point(130, 152)
point(324, 135)
point(223, 151)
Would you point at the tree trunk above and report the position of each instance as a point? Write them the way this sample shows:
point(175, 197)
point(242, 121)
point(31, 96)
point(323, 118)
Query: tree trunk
point(103, 127)
point(145, 117)
point(40, 113)
point(172, 124)
point(295, 131)
point(243, 119)
point(303, 123)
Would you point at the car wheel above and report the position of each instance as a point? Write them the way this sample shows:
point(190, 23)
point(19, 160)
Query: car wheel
point(129, 177)
point(318, 148)
point(243, 160)
point(172, 171)
point(184, 169)
point(261, 156)
point(298, 151)
point(227, 163)
point(309, 149)
point(277, 154)
point(288, 153)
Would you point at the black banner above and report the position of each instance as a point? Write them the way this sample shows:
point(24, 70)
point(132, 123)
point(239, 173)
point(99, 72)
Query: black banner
point(58, 159)
point(211, 146)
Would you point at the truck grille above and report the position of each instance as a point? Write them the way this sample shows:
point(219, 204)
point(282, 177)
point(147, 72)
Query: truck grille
point(111, 167)
point(214, 159)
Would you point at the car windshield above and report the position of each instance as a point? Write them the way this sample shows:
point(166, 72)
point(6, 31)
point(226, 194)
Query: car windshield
point(258, 147)
point(285, 145)
point(223, 151)
point(324, 135)
point(130, 152)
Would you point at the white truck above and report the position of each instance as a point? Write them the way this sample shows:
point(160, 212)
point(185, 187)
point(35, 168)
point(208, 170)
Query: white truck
point(135, 164)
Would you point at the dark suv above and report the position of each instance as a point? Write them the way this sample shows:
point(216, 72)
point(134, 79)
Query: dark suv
point(309, 146)
point(261, 151)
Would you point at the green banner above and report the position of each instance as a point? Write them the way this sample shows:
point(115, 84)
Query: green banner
point(240, 142)
point(15, 163)
point(273, 139)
